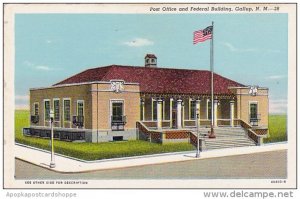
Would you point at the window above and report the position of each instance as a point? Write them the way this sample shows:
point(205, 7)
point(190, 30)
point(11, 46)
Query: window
point(208, 109)
point(193, 110)
point(67, 110)
point(47, 110)
point(253, 110)
point(56, 110)
point(154, 103)
point(154, 116)
point(174, 105)
point(118, 119)
point(80, 108)
point(162, 110)
point(117, 111)
point(36, 109)
point(254, 117)
point(152, 61)
point(141, 112)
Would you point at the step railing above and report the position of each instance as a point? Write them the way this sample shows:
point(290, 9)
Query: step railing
point(193, 141)
point(257, 138)
point(164, 136)
point(144, 133)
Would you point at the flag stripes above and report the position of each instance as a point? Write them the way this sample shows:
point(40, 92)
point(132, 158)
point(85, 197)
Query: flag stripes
point(203, 35)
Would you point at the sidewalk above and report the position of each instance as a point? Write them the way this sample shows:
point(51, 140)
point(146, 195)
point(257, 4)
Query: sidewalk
point(71, 165)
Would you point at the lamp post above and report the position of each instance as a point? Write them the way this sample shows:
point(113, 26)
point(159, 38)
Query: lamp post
point(197, 124)
point(52, 163)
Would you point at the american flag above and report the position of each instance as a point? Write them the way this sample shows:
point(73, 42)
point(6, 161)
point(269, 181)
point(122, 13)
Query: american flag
point(203, 35)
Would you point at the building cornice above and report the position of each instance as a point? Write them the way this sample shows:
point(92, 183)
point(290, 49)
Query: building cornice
point(109, 90)
point(178, 95)
point(246, 87)
point(78, 84)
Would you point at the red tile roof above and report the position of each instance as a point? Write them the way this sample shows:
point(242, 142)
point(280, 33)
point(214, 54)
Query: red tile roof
point(157, 80)
point(150, 56)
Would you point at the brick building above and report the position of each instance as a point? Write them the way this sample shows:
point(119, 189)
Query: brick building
point(128, 102)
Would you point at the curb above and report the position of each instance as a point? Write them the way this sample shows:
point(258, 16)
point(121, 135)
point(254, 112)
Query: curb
point(109, 159)
point(186, 153)
point(131, 157)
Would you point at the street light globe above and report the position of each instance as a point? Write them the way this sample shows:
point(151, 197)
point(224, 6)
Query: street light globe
point(51, 114)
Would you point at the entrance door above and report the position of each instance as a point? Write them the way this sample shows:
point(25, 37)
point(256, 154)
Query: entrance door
point(117, 117)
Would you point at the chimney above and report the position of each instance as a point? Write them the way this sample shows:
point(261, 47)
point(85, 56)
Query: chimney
point(150, 61)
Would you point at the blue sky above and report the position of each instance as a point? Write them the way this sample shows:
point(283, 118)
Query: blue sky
point(249, 48)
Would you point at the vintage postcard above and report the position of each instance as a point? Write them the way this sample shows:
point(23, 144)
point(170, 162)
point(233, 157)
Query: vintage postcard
point(150, 96)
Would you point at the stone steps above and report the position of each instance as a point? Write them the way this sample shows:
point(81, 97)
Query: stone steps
point(235, 143)
point(227, 134)
point(228, 146)
point(227, 138)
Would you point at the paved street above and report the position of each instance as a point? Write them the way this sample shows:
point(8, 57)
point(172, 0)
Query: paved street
point(256, 165)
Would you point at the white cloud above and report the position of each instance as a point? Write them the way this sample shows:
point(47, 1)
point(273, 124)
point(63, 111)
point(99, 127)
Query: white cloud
point(235, 49)
point(28, 63)
point(276, 77)
point(278, 106)
point(138, 42)
point(229, 46)
point(232, 48)
point(22, 97)
point(22, 107)
point(22, 102)
point(41, 67)
point(273, 51)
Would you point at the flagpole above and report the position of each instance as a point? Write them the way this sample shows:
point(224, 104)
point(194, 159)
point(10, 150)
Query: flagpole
point(212, 134)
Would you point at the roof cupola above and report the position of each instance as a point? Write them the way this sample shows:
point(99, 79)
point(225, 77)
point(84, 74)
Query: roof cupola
point(150, 61)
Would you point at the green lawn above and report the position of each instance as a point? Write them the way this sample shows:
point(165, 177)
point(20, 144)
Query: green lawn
point(277, 129)
point(94, 151)
point(97, 151)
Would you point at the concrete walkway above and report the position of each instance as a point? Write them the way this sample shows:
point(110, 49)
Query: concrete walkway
point(71, 165)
